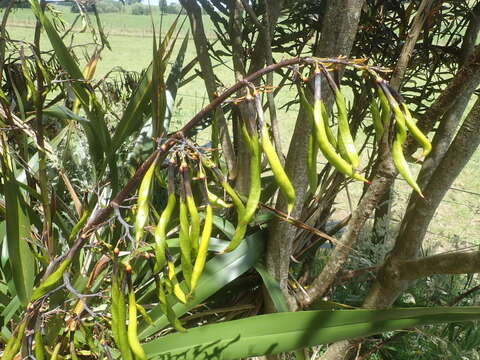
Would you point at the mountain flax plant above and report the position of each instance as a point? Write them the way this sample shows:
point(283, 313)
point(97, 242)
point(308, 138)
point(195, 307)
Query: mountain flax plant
point(144, 243)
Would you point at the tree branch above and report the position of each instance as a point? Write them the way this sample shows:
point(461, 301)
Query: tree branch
point(443, 264)
point(463, 83)
point(407, 49)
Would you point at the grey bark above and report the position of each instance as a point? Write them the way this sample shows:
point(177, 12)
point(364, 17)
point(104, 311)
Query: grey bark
point(201, 44)
point(449, 122)
point(463, 83)
point(338, 34)
point(383, 212)
point(389, 283)
point(401, 267)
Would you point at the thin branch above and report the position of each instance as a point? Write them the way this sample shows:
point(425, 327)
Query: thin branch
point(412, 37)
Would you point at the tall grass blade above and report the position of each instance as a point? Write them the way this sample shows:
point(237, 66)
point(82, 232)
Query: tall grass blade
point(173, 82)
point(138, 109)
point(20, 257)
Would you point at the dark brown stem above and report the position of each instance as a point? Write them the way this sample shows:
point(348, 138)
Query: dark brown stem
point(42, 163)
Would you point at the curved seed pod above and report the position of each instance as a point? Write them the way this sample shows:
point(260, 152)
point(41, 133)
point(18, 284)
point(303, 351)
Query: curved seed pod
point(216, 200)
point(133, 341)
point(402, 165)
point(346, 145)
point(419, 137)
point(142, 203)
point(400, 137)
point(312, 152)
point(39, 347)
point(14, 343)
point(166, 308)
point(239, 206)
point(326, 148)
point(51, 281)
point(192, 208)
point(160, 233)
point(118, 309)
point(203, 249)
point(172, 277)
point(184, 237)
point(328, 129)
point(312, 146)
point(377, 121)
point(73, 352)
point(253, 196)
point(309, 108)
point(281, 177)
point(55, 351)
point(206, 233)
point(385, 106)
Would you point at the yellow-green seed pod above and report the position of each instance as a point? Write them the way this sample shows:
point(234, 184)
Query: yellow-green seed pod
point(325, 146)
point(119, 327)
point(345, 143)
point(133, 341)
point(286, 187)
point(14, 343)
point(377, 121)
point(400, 137)
point(142, 203)
point(419, 137)
point(165, 306)
point(193, 212)
point(184, 236)
point(203, 249)
point(253, 196)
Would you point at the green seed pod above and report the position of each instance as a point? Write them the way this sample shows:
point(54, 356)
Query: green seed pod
point(419, 137)
point(14, 343)
point(184, 235)
point(325, 146)
point(193, 212)
point(400, 137)
point(253, 196)
point(279, 173)
point(206, 233)
point(160, 233)
point(346, 145)
point(133, 341)
point(142, 203)
point(118, 310)
point(377, 121)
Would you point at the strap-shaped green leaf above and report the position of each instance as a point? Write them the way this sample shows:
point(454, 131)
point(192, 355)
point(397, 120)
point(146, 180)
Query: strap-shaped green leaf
point(96, 128)
point(218, 272)
point(288, 331)
point(20, 256)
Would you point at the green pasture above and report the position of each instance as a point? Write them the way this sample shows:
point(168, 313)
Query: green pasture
point(458, 218)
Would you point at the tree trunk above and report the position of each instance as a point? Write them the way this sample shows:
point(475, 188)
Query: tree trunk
point(338, 33)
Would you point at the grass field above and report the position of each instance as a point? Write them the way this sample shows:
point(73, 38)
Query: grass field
point(457, 222)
